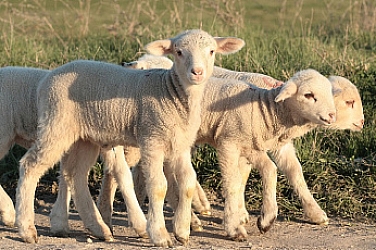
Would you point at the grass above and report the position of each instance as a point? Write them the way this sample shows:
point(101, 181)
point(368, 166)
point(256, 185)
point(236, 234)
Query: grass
point(336, 37)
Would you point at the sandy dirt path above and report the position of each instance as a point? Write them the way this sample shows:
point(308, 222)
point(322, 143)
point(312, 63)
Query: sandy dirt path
point(339, 234)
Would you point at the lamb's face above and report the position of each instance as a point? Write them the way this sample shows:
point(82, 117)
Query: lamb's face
point(348, 105)
point(194, 56)
point(310, 96)
point(194, 53)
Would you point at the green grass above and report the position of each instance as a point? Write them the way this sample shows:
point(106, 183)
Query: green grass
point(335, 37)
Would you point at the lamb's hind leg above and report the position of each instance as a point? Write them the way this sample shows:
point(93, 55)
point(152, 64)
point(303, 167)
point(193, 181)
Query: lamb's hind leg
point(289, 164)
point(75, 169)
point(7, 212)
point(152, 157)
point(37, 160)
point(60, 210)
point(108, 189)
point(186, 180)
point(269, 210)
point(228, 157)
point(123, 176)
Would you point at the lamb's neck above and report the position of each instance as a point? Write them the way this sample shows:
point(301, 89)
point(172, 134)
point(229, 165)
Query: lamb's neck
point(187, 98)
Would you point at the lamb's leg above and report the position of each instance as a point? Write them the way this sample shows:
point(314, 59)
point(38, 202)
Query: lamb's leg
point(76, 165)
point(268, 172)
point(139, 183)
point(37, 160)
point(108, 190)
point(7, 212)
point(289, 164)
point(245, 168)
point(123, 176)
point(186, 180)
point(60, 211)
point(200, 202)
point(228, 157)
point(152, 157)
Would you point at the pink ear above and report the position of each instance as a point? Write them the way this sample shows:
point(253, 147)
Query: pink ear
point(271, 83)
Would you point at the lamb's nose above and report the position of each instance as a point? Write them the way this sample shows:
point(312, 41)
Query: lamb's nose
point(332, 117)
point(197, 71)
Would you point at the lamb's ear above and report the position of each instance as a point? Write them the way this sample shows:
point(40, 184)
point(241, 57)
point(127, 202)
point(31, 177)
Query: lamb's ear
point(130, 65)
point(228, 45)
point(336, 91)
point(159, 47)
point(288, 90)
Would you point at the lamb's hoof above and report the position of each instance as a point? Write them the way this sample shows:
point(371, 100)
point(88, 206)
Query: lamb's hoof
point(60, 234)
point(30, 238)
point(240, 234)
point(143, 235)
point(8, 219)
point(319, 220)
point(109, 239)
point(197, 228)
point(206, 213)
point(164, 243)
point(263, 229)
point(182, 240)
point(244, 219)
point(160, 238)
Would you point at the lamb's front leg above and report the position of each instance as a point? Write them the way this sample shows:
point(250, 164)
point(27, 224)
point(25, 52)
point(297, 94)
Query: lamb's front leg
point(289, 164)
point(152, 157)
point(228, 157)
point(268, 172)
point(7, 212)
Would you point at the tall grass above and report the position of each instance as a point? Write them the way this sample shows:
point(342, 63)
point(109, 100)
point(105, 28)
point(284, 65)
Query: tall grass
point(336, 37)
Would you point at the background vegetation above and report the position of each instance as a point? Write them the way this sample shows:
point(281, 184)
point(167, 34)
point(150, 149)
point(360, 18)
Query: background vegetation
point(335, 37)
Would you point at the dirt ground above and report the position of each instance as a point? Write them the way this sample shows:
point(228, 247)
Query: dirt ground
point(339, 234)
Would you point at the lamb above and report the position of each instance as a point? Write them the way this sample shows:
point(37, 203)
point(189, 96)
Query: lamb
point(19, 126)
point(103, 105)
point(262, 121)
point(148, 61)
point(19, 119)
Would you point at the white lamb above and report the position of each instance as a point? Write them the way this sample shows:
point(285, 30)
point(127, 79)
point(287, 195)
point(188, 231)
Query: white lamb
point(19, 119)
point(19, 126)
point(149, 61)
point(98, 104)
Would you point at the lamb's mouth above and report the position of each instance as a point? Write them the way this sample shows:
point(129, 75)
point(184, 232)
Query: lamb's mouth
point(325, 121)
point(358, 127)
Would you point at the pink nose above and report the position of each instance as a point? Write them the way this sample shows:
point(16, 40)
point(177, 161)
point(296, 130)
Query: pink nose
point(332, 117)
point(197, 71)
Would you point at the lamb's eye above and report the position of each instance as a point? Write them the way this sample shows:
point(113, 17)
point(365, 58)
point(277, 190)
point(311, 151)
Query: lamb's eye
point(211, 52)
point(310, 96)
point(350, 103)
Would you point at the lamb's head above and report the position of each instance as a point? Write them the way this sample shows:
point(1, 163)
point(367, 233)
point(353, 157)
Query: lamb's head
point(348, 105)
point(309, 96)
point(194, 53)
point(148, 61)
